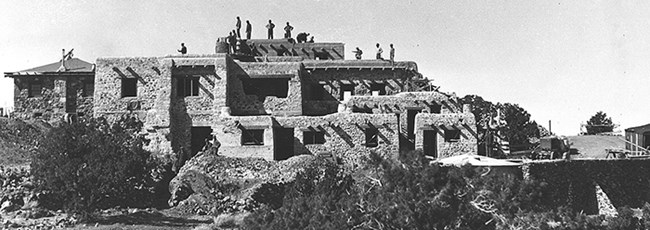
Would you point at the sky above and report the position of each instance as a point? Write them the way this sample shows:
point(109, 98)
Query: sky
point(562, 61)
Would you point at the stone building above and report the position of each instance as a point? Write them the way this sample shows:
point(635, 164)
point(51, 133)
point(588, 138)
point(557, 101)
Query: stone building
point(274, 99)
point(50, 92)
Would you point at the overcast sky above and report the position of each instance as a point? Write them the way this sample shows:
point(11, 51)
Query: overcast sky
point(560, 60)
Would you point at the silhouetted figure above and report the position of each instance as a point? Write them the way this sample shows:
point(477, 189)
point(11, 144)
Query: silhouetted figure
point(238, 26)
point(379, 52)
point(287, 30)
point(233, 42)
point(311, 40)
point(183, 49)
point(249, 30)
point(357, 53)
point(302, 37)
point(392, 54)
point(269, 28)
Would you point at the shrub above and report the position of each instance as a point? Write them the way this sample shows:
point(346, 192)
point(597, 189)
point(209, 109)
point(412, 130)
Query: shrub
point(92, 164)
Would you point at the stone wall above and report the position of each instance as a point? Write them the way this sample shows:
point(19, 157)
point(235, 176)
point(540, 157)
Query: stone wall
point(343, 132)
point(242, 103)
point(441, 123)
point(572, 183)
point(393, 82)
point(60, 94)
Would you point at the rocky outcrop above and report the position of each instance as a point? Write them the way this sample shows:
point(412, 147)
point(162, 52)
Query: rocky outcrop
point(211, 184)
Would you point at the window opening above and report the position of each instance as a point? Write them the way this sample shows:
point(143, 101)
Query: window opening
point(129, 87)
point(252, 137)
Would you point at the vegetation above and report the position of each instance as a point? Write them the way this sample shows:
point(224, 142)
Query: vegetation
point(92, 164)
point(517, 129)
point(411, 194)
point(599, 123)
point(18, 140)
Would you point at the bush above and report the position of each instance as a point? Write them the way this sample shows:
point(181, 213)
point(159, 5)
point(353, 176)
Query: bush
point(91, 165)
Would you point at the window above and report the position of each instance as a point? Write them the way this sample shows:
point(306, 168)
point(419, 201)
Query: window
point(313, 137)
point(378, 89)
point(129, 87)
point(347, 90)
point(372, 139)
point(263, 87)
point(452, 135)
point(187, 86)
point(252, 137)
point(35, 88)
point(88, 89)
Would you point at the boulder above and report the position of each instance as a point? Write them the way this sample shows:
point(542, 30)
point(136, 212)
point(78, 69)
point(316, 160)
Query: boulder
point(232, 184)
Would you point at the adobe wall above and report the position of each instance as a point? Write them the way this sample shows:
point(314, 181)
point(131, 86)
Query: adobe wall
point(242, 104)
point(51, 103)
point(464, 122)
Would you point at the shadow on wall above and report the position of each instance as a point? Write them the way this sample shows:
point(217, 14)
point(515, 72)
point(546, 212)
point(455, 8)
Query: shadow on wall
point(180, 123)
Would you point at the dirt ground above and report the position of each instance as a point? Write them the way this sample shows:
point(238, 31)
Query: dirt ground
point(593, 146)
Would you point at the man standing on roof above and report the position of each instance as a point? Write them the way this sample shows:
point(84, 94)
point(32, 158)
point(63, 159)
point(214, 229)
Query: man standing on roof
point(270, 27)
point(238, 26)
point(379, 52)
point(287, 30)
point(357, 53)
point(249, 30)
point(392, 54)
point(183, 49)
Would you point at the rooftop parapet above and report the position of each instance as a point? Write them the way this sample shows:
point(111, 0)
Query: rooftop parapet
point(287, 47)
point(360, 64)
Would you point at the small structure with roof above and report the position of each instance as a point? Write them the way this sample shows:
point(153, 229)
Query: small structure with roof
point(637, 139)
point(53, 91)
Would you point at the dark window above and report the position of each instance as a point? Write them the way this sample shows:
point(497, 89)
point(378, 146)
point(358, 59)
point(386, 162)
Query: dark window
point(378, 89)
point(129, 87)
point(434, 108)
point(88, 89)
point(371, 137)
point(263, 87)
point(35, 88)
point(313, 137)
point(365, 109)
point(252, 137)
point(452, 135)
point(187, 86)
point(347, 90)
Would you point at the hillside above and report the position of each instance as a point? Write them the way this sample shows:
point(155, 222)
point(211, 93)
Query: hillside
point(593, 146)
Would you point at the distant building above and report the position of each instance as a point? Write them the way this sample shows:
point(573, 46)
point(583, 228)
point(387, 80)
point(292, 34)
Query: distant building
point(48, 92)
point(637, 137)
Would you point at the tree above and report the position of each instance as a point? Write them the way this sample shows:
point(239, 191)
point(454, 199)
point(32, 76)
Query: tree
point(92, 164)
point(599, 123)
point(518, 128)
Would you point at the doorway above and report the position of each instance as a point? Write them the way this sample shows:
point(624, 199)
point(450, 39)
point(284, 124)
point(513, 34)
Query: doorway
point(410, 127)
point(430, 143)
point(198, 137)
point(282, 143)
